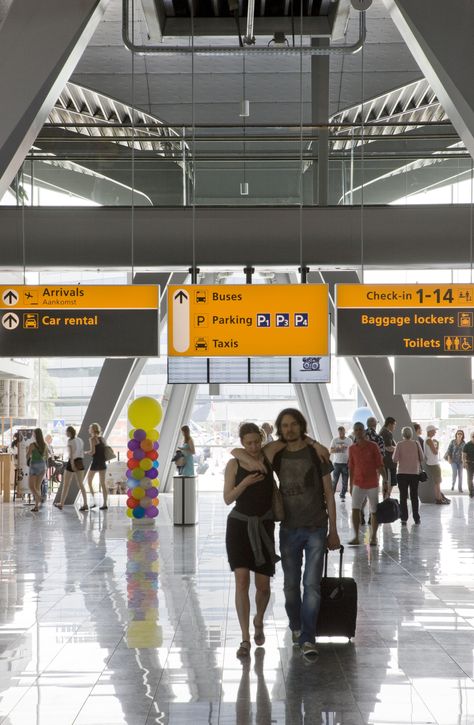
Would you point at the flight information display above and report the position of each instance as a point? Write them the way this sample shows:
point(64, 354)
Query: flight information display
point(307, 369)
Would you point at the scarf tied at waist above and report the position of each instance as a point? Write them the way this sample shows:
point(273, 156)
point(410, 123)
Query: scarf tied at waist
point(258, 536)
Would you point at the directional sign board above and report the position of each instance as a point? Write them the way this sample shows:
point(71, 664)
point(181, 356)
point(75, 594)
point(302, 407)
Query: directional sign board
point(248, 320)
point(84, 321)
point(405, 319)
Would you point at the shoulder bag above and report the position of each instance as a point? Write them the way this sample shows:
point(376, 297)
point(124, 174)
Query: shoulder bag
point(277, 503)
point(109, 453)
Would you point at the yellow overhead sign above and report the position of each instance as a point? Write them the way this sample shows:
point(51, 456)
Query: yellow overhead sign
point(248, 320)
point(90, 297)
point(405, 295)
point(405, 319)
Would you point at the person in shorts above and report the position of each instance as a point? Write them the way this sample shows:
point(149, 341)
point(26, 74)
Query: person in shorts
point(365, 467)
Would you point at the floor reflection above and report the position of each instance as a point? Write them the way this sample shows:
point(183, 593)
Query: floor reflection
point(104, 624)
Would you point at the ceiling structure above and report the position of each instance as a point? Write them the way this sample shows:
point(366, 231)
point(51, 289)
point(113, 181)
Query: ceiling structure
point(163, 88)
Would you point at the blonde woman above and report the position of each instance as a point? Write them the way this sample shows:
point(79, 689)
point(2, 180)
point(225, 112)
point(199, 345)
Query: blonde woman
point(98, 465)
point(74, 466)
point(37, 456)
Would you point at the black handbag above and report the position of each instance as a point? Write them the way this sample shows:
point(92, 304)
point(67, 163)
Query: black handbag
point(422, 476)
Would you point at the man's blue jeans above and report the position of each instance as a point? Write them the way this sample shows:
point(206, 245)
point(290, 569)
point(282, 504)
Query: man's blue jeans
point(340, 469)
point(302, 613)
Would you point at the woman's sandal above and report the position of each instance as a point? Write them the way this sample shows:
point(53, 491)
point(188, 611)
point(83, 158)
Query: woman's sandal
point(84, 508)
point(35, 510)
point(244, 649)
point(259, 635)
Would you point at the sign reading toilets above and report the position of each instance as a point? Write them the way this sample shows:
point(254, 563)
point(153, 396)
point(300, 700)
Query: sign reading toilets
point(79, 321)
point(248, 320)
point(405, 319)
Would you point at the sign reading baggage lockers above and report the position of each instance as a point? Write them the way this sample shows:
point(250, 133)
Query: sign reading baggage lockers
point(84, 321)
point(405, 319)
point(248, 320)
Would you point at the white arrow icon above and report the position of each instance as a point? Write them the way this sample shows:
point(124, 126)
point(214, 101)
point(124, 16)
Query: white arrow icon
point(181, 320)
point(10, 321)
point(10, 297)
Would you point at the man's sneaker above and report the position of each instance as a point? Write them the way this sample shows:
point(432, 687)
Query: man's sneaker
point(295, 636)
point(309, 651)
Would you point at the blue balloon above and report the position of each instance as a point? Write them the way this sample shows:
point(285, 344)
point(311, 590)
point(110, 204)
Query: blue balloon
point(138, 513)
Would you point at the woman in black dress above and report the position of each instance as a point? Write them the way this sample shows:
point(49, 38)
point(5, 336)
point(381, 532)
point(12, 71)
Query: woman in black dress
point(97, 451)
point(250, 533)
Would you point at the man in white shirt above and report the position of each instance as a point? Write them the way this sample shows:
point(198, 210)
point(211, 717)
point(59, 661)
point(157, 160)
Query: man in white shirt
point(339, 450)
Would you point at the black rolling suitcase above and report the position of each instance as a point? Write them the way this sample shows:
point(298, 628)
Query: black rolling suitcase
point(338, 612)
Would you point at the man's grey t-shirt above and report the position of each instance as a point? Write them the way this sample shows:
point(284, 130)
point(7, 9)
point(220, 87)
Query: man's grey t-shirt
point(302, 489)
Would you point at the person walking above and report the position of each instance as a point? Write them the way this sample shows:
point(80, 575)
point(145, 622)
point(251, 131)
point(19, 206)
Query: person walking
point(468, 462)
point(98, 465)
point(433, 468)
point(74, 467)
point(409, 457)
point(454, 456)
point(365, 467)
point(418, 436)
point(309, 524)
point(37, 455)
point(250, 532)
point(389, 442)
point(339, 450)
point(188, 450)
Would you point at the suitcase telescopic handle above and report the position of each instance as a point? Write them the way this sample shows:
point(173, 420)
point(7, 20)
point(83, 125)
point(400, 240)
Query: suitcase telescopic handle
point(326, 555)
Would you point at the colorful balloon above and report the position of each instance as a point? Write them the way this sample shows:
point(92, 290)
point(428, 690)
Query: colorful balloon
point(137, 473)
point(138, 513)
point(151, 512)
point(152, 492)
point(152, 434)
point(146, 445)
point(138, 492)
point(133, 445)
point(146, 464)
point(152, 455)
point(152, 473)
point(146, 412)
point(130, 513)
point(132, 502)
point(139, 434)
point(139, 454)
point(132, 463)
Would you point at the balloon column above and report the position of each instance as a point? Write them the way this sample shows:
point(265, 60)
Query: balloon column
point(143, 630)
point(144, 415)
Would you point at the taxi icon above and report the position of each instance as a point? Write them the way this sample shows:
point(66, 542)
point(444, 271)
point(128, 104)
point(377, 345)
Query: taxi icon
point(30, 321)
point(200, 343)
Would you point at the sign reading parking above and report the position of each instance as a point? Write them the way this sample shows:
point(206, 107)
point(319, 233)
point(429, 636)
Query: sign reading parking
point(405, 319)
point(248, 320)
point(66, 321)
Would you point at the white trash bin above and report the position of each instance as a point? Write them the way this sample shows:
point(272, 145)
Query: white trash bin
point(185, 511)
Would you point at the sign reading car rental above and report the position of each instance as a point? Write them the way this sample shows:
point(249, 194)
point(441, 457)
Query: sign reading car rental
point(405, 319)
point(248, 320)
point(79, 321)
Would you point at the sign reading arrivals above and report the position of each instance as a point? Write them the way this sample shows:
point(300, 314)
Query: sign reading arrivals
point(405, 319)
point(248, 320)
point(79, 321)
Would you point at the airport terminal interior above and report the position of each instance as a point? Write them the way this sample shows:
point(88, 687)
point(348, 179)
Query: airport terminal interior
point(303, 172)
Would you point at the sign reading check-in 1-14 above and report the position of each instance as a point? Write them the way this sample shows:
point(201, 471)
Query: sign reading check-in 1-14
point(405, 319)
point(85, 321)
point(248, 320)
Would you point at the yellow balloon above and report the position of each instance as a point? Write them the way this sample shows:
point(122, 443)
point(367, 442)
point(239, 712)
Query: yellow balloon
point(146, 464)
point(145, 412)
point(130, 435)
point(152, 434)
point(138, 492)
point(130, 513)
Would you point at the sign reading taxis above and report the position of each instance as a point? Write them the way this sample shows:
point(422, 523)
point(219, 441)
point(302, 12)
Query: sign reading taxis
point(248, 320)
point(405, 319)
point(85, 321)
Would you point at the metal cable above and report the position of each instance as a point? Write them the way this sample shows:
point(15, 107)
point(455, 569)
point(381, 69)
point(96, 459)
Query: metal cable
point(132, 230)
point(362, 179)
point(301, 99)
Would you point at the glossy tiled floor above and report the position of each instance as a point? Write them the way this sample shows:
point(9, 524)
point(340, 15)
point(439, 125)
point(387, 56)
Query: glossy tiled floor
point(87, 637)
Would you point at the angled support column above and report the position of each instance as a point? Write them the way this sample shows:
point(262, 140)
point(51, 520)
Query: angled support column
point(178, 402)
point(317, 409)
point(439, 36)
point(40, 45)
point(115, 381)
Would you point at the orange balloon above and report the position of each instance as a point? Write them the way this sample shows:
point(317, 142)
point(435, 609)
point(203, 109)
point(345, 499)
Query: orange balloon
point(146, 445)
point(129, 454)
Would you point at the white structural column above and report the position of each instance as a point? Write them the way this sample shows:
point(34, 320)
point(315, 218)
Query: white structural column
point(40, 45)
point(178, 403)
point(440, 38)
point(317, 409)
